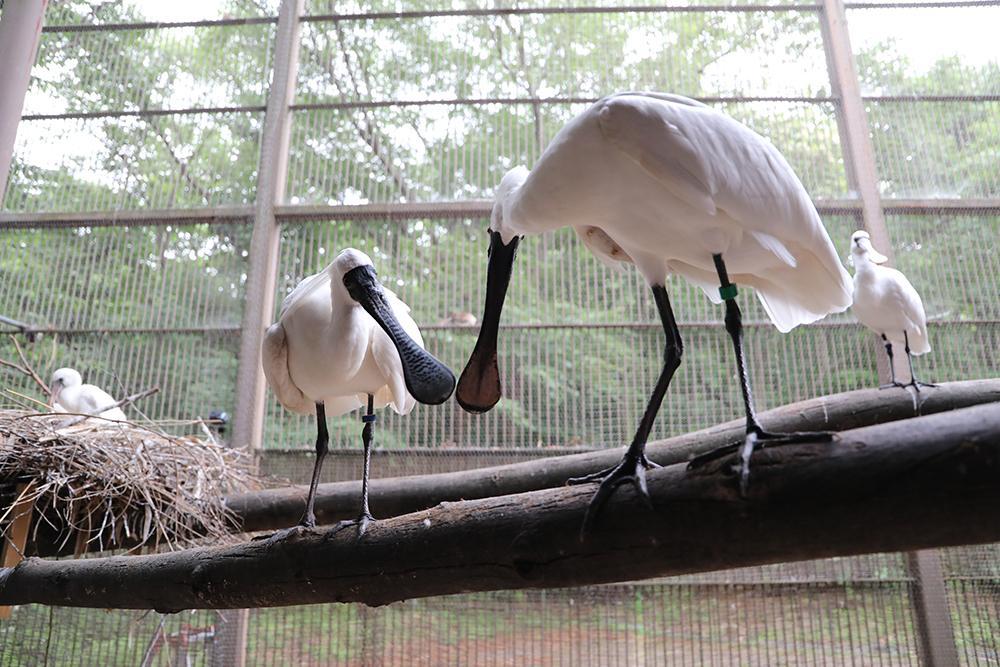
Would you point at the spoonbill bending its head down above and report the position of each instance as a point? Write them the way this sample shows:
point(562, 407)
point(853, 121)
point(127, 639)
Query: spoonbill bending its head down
point(69, 394)
point(886, 303)
point(343, 340)
point(672, 186)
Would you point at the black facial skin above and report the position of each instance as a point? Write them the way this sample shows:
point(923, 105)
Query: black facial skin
point(479, 387)
point(427, 379)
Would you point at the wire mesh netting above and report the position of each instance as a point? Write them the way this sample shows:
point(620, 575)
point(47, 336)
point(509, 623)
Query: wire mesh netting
point(144, 110)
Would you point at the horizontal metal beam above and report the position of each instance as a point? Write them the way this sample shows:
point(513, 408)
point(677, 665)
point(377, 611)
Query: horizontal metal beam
point(478, 101)
point(472, 330)
point(473, 208)
point(157, 25)
point(177, 216)
point(922, 5)
point(522, 11)
point(971, 98)
point(934, 205)
point(141, 113)
point(457, 101)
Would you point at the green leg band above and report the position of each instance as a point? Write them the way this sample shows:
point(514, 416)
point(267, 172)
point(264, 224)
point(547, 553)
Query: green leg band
point(728, 292)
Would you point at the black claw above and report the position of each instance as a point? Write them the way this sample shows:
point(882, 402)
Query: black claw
point(631, 469)
point(892, 384)
point(362, 523)
point(757, 439)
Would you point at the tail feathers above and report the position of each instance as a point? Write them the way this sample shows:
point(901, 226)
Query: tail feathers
point(919, 343)
point(801, 295)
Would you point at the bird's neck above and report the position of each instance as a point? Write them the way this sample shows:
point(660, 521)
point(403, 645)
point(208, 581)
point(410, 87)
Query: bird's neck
point(865, 267)
point(525, 212)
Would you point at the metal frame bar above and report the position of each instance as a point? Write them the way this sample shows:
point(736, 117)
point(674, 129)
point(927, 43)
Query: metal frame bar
point(472, 208)
point(522, 11)
point(263, 263)
point(141, 113)
point(157, 25)
point(459, 101)
point(931, 608)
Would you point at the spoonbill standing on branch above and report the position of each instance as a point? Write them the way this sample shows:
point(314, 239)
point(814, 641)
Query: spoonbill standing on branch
point(670, 185)
point(343, 341)
point(886, 303)
point(69, 394)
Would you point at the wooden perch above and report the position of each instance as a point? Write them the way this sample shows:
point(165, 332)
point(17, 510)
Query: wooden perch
point(278, 508)
point(913, 484)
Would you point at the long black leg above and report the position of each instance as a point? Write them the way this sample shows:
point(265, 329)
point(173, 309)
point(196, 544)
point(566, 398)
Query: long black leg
point(755, 432)
point(916, 384)
point(634, 463)
point(322, 447)
point(734, 325)
point(892, 367)
point(367, 434)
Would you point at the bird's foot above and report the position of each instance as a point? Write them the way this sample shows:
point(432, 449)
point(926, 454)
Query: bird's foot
point(758, 438)
point(916, 384)
point(362, 523)
point(632, 468)
point(285, 533)
point(307, 522)
point(890, 385)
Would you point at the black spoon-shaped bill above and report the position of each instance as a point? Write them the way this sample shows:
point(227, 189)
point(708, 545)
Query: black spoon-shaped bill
point(479, 387)
point(427, 379)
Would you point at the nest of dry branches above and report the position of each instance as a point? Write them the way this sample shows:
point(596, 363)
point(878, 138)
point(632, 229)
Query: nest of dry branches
point(116, 485)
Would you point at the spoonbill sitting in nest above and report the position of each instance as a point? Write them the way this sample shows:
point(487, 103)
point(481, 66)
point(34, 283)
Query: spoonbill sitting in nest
point(886, 303)
point(69, 394)
point(342, 341)
point(674, 187)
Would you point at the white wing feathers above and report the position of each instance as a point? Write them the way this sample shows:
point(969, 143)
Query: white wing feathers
point(628, 122)
point(910, 305)
point(713, 163)
point(274, 358)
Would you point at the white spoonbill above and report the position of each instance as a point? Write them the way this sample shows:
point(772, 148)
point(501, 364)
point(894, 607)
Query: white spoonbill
point(886, 303)
point(672, 186)
point(69, 394)
point(343, 340)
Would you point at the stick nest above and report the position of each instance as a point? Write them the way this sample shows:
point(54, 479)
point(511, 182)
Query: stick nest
point(116, 485)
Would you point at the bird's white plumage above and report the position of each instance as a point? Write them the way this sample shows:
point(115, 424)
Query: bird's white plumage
point(665, 182)
point(884, 300)
point(326, 348)
point(70, 394)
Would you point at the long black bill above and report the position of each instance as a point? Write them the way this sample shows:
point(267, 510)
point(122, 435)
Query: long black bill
point(479, 387)
point(427, 379)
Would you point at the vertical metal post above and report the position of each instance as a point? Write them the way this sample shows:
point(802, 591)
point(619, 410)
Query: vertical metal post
point(248, 420)
point(931, 609)
point(263, 261)
point(930, 598)
point(20, 30)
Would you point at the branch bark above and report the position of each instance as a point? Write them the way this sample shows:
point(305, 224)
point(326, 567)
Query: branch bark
point(913, 484)
point(277, 508)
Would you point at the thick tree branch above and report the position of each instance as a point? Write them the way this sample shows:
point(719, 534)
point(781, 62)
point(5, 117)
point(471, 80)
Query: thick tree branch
point(277, 508)
point(913, 484)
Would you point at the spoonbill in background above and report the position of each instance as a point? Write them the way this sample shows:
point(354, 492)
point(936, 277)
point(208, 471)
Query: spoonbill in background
point(670, 185)
point(886, 303)
point(69, 394)
point(341, 342)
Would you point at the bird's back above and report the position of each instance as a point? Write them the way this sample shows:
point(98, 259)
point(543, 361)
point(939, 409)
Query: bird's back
point(669, 177)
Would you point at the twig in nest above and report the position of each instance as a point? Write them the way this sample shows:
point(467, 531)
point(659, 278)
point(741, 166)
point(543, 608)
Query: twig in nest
point(26, 367)
point(117, 484)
